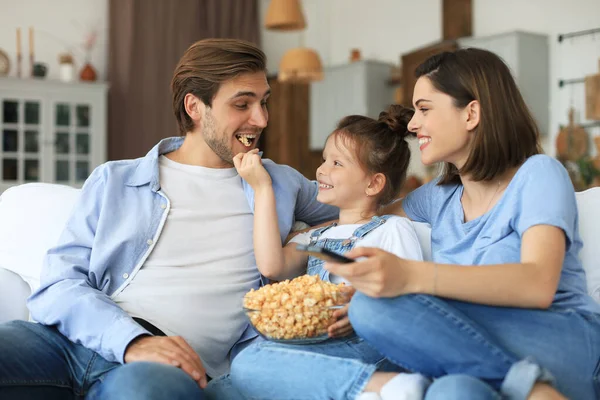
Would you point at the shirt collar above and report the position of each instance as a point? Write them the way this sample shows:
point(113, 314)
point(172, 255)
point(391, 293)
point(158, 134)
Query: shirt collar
point(147, 170)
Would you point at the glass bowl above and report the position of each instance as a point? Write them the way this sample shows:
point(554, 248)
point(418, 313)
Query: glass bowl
point(306, 326)
point(296, 311)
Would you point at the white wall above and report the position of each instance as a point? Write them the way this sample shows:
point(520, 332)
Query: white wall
point(60, 26)
point(573, 58)
point(376, 27)
point(384, 29)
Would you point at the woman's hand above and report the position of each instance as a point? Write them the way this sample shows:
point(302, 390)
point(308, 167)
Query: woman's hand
point(380, 274)
point(250, 167)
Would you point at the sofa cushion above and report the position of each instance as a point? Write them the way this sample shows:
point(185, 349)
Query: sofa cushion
point(424, 234)
point(588, 203)
point(33, 216)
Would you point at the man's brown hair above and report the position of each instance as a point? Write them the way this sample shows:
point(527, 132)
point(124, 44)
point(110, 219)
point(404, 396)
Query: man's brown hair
point(507, 133)
point(204, 66)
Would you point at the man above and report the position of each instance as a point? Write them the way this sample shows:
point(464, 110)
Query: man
point(160, 245)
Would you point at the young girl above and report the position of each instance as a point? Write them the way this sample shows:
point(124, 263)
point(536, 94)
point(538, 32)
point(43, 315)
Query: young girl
point(364, 166)
point(502, 310)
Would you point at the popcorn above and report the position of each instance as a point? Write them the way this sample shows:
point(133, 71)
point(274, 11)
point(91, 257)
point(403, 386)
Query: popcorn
point(295, 309)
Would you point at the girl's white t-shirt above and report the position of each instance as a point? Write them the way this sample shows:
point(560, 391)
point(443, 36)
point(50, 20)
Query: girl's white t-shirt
point(397, 236)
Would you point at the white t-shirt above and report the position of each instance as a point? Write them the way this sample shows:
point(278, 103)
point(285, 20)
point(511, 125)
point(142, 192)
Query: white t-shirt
point(193, 282)
point(397, 236)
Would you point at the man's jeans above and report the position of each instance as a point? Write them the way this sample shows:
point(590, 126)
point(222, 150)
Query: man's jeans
point(37, 362)
point(507, 348)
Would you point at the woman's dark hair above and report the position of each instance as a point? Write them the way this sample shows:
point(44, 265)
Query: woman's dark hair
point(507, 133)
point(380, 146)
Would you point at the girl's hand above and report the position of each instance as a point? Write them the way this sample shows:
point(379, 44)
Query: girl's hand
point(250, 167)
point(342, 326)
point(380, 274)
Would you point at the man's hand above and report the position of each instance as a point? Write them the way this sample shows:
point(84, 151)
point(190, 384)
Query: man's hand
point(249, 166)
point(172, 350)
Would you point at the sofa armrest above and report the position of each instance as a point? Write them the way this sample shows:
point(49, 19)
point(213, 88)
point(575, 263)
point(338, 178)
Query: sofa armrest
point(13, 295)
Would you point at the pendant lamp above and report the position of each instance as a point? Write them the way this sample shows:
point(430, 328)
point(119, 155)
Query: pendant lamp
point(300, 65)
point(285, 15)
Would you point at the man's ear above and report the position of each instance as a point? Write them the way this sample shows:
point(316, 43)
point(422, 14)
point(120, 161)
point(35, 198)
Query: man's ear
point(473, 114)
point(376, 185)
point(194, 107)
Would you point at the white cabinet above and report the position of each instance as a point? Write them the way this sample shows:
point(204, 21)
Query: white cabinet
point(51, 131)
point(357, 88)
point(527, 55)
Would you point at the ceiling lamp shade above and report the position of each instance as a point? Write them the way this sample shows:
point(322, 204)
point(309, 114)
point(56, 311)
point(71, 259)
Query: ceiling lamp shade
point(285, 15)
point(300, 65)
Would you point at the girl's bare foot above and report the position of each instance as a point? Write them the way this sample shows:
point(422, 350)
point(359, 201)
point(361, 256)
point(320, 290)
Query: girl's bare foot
point(543, 391)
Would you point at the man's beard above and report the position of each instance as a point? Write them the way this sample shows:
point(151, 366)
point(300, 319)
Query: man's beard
point(219, 145)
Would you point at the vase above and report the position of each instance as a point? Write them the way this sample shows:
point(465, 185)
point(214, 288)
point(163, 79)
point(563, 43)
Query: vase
point(66, 72)
point(355, 55)
point(88, 73)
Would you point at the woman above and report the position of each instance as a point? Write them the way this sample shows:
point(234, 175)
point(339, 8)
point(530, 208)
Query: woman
point(502, 308)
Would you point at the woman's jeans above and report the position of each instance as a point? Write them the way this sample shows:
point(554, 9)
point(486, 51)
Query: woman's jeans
point(335, 369)
point(461, 387)
point(37, 362)
point(507, 348)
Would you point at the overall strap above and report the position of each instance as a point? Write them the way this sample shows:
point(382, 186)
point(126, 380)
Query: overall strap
point(374, 223)
point(318, 232)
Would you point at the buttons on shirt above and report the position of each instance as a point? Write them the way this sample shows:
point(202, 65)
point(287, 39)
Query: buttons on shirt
point(125, 275)
point(163, 206)
point(149, 241)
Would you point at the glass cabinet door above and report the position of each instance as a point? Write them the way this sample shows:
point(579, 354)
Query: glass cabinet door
point(50, 132)
point(72, 152)
point(20, 149)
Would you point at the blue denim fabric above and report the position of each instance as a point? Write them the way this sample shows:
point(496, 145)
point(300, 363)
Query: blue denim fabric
point(502, 346)
point(334, 369)
point(460, 387)
point(341, 246)
point(113, 228)
point(37, 362)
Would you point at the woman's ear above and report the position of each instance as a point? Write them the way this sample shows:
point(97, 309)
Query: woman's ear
point(194, 107)
point(473, 112)
point(376, 185)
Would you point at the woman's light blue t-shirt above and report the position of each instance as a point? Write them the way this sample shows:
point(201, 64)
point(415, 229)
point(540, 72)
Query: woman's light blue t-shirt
point(540, 193)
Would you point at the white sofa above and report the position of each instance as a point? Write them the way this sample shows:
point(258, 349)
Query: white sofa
point(33, 215)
